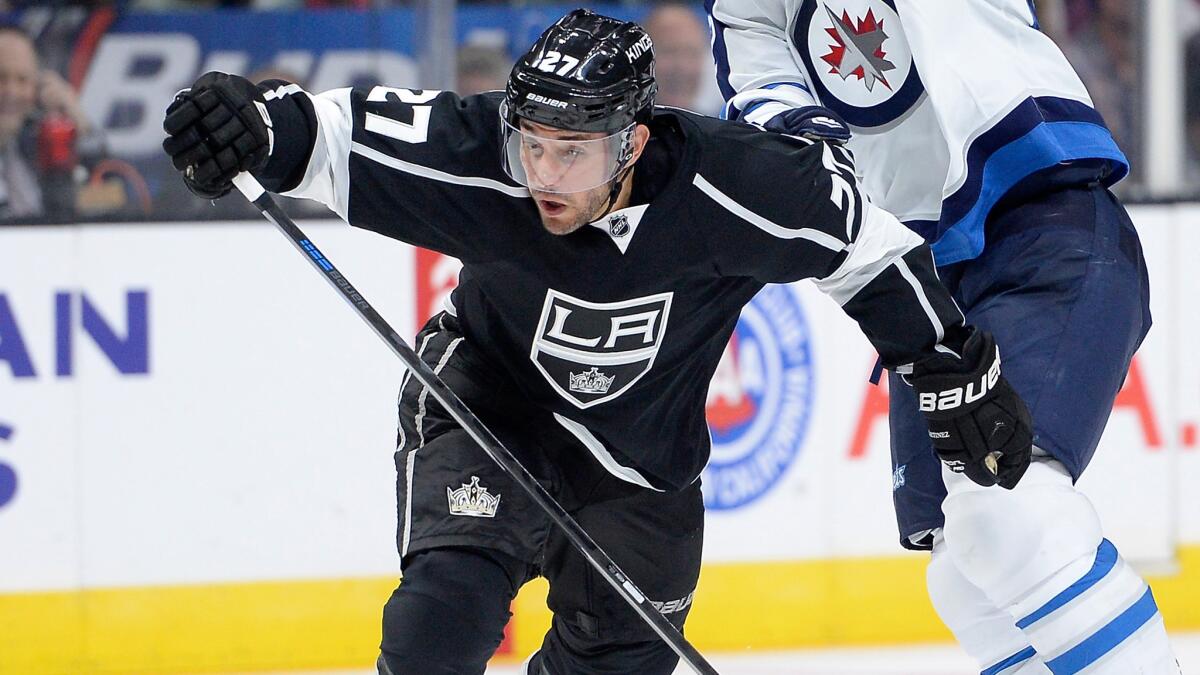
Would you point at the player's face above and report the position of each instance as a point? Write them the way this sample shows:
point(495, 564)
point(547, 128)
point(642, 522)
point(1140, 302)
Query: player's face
point(570, 173)
point(557, 163)
point(18, 83)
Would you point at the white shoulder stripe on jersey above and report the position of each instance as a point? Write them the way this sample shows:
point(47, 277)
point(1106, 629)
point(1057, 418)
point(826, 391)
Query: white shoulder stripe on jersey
point(433, 174)
point(602, 454)
point(816, 236)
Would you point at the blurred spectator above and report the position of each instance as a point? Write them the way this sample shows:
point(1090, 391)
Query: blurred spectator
point(42, 130)
point(683, 63)
point(1052, 19)
point(482, 68)
point(1191, 92)
point(1104, 51)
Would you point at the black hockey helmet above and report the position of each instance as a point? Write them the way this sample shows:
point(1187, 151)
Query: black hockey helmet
point(587, 72)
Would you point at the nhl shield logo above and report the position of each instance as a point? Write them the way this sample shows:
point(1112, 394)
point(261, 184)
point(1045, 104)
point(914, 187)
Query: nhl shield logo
point(858, 59)
point(759, 401)
point(618, 225)
point(593, 352)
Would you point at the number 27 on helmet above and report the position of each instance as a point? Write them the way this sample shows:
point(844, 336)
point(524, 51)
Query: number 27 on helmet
point(572, 102)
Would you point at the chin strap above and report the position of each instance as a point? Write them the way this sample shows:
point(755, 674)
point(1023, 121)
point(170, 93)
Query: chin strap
point(615, 191)
point(619, 179)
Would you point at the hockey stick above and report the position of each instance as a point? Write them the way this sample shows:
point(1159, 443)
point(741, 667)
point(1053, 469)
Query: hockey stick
point(471, 424)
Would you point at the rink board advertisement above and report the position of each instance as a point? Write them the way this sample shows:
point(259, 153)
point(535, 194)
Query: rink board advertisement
point(196, 468)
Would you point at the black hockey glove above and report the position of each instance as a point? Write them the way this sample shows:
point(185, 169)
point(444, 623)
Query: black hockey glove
point(215, 130)
point(978, 424)
point(813, 122)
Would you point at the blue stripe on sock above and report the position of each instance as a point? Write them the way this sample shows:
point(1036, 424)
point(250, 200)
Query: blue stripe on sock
point(1104, 640)
point(1106, 558)
point(1020, 657)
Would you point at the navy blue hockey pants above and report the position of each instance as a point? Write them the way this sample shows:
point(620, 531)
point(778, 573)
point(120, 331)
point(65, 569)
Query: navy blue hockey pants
point(1062, 285)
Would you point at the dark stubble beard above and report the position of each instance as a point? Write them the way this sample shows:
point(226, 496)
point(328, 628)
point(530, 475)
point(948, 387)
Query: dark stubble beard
point(593, 209)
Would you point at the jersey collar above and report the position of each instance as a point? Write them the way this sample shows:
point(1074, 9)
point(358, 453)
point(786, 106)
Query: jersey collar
point(621, 224)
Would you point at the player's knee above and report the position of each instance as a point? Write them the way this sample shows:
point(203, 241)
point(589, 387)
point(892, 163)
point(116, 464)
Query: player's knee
point(448, 614)
point(984, 631)
point(951, 593)
point(1007, 542)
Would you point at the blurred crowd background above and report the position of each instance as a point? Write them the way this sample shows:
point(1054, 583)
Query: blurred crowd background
point(83, 85)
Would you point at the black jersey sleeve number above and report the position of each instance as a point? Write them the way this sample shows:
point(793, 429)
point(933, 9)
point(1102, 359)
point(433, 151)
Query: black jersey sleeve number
point(406, 102)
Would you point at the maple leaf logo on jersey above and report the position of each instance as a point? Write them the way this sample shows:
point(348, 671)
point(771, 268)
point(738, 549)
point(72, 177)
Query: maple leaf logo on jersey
point(859, 49)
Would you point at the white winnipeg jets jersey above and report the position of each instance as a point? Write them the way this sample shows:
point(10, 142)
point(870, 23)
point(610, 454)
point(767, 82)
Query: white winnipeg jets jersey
point(952, 102)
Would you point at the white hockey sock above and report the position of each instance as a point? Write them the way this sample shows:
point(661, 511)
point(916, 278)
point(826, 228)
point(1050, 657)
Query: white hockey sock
point(1104, 621)
point(1038, 553)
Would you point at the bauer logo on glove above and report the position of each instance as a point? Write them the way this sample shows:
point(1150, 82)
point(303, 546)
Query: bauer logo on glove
point(958, 396)
point(978, 424)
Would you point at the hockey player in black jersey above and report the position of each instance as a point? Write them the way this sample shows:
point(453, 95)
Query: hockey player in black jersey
point(608, 248)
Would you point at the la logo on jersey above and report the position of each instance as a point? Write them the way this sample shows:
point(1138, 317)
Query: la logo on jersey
point(759, 401)
point(592, 352)
point(858, 59)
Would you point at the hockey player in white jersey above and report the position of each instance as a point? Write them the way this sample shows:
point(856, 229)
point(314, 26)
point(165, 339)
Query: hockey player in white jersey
point(969, 124)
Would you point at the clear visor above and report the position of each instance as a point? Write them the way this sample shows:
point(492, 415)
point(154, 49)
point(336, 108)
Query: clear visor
point(565, 162)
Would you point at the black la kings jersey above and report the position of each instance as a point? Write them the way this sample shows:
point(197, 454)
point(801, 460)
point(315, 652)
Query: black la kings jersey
point(618, 327)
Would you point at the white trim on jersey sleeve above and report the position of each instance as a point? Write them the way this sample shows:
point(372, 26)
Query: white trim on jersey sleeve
point(881, 242)
point(327, 177)
point(433, 174)
point(281, 91)
point(602, 454)
point(816, 236)
point(938, 329)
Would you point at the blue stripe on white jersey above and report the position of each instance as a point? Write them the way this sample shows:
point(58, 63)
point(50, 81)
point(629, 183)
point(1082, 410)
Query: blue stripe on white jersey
point(1040, 133)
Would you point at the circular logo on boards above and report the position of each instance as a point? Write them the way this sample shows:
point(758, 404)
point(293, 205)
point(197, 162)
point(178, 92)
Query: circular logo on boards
point(858, 59)
point(759, 400)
